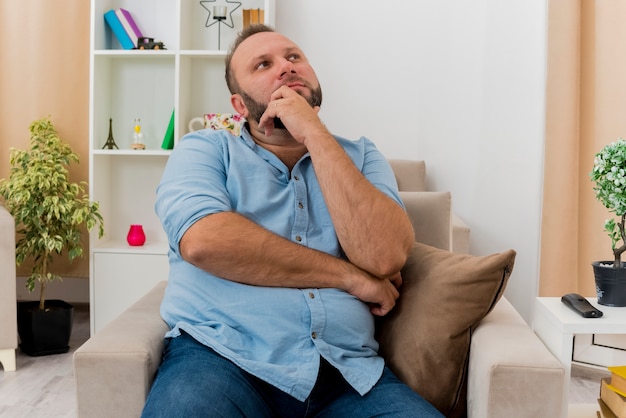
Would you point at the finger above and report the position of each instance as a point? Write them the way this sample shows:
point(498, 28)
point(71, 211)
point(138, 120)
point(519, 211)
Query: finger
point(396, 283)
point(267, 119)
point(377, 310)
point(396, 280)
point(282, 92)
point(393, 291)
point(381, 310)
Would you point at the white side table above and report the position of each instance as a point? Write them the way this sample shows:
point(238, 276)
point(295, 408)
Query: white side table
point(556, 325)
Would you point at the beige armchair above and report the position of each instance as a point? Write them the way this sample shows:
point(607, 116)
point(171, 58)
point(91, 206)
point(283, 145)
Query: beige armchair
point(8, 302)
point(511, 373)
point(411, 177)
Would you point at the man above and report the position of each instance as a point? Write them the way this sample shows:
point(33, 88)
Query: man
point(284, 242)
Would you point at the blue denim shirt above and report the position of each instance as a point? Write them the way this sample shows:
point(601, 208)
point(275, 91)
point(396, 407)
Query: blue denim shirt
point(276, 334)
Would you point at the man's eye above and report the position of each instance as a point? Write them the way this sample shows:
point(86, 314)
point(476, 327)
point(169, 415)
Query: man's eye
point(293, 57)
point(261, 65)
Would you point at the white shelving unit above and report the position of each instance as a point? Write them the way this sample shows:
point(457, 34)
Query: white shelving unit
point(188, 78)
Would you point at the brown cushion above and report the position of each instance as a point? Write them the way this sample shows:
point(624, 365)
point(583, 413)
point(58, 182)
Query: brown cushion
point(425, 339)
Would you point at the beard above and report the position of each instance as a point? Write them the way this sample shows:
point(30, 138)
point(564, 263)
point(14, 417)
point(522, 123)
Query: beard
point(257, 109)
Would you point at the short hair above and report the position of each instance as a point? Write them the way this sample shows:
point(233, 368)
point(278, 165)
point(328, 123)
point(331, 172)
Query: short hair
point(247, 32)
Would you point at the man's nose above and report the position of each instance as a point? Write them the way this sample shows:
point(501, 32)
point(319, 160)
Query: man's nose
point(286, 68)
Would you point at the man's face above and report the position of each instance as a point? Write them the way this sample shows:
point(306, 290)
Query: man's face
point(266, 61)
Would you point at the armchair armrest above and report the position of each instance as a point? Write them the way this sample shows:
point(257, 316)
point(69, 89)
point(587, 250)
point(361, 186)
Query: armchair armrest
point(511, 372)
point(120, 361)
point(460, 235)
point(8, 304)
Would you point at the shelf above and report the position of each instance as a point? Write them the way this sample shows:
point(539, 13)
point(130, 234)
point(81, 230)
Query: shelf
point(203, 53)
point(134, 53)
point(122, 247)
point(126, 87)
point(134, 153)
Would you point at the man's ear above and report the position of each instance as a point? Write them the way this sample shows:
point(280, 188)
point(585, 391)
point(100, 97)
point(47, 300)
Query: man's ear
point(237, 103)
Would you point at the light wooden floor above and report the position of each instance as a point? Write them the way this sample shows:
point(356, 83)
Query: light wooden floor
point(585, 384)
point(44, 387)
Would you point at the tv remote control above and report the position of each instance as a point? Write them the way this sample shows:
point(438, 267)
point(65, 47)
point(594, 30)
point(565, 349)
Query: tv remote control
point(581, 305)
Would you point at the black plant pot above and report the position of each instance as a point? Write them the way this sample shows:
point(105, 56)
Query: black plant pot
point(610, 283)
point(44, 332)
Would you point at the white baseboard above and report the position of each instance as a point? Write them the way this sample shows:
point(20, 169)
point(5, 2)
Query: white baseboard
point(71, 289)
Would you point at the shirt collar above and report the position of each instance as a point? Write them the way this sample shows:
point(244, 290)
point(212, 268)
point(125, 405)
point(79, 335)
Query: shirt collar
point(268, 156)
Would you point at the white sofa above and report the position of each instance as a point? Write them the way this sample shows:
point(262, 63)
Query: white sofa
point(8, 301)
point(510, 372)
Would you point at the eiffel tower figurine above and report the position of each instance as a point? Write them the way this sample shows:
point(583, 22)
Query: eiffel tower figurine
point(110, 144)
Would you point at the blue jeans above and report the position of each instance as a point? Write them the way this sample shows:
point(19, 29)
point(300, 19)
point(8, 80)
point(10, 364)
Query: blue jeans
point(194, 381)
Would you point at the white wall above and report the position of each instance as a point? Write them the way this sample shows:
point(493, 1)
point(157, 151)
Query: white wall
point(457, 83)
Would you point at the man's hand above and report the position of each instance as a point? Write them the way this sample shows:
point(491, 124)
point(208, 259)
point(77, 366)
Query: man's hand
point(295, 113)
point(379, 294)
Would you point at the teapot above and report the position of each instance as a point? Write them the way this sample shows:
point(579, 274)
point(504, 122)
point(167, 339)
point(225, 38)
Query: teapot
point(217, 121)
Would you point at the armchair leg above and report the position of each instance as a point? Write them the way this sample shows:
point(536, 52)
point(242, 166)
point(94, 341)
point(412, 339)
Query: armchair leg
point(7, 358)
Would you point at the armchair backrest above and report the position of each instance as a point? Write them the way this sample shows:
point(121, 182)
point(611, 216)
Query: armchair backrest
point(410, 175)
point(430, 212)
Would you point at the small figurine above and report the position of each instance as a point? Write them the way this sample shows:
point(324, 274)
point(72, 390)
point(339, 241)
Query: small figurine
point(110, 144)
point(137, 136)
point(148, 43)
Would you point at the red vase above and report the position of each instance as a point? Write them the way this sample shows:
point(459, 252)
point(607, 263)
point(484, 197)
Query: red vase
point(136, 236)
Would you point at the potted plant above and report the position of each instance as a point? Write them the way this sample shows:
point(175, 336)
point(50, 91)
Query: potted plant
point(49, 213)
point(609, 176)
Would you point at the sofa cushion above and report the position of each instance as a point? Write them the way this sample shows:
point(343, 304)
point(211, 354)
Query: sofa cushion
point(425, 339)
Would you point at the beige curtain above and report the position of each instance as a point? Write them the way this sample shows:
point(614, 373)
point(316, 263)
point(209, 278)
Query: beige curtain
point(45, 72)
point(586, 109)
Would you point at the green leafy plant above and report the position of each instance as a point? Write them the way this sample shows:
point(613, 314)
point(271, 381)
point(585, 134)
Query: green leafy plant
point(49, 210)
point(609, 176)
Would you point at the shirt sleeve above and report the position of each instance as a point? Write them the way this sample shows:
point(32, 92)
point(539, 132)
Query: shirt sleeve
point(193, 184)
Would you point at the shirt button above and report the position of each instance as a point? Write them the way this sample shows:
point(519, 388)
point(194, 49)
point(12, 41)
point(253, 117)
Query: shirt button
point(298, 238)
point(311, 295)
point(296, 178)
point(314, 335)
point(300, 205)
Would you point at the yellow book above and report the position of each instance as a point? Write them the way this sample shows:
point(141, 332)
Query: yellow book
point(246, 18)
point(252, 16)
point(605, 411)
point(615, 401)
point(618, 379)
